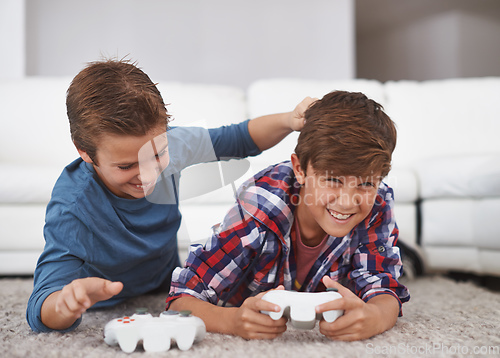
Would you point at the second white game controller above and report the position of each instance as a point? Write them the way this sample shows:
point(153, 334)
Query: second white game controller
point(155, 333)
point(299, 307)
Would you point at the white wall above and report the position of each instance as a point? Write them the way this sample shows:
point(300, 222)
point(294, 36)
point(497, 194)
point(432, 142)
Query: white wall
point(218, 41)
point(12, 39)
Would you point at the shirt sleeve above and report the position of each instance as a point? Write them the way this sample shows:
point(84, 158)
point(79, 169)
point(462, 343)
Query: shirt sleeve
point(377, 262)
point(58, 265)
point(233, 141)
point(193, 145)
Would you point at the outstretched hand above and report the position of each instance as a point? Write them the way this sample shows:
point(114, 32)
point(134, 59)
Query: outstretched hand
point(62, 308)
point(81, 294)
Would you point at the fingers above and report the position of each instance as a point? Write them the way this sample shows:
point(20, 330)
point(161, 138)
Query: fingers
point(73, 300)
point(346, 334)
point(358, 321)
point(256, 331)
point(344, 291)
point(257, 304)
point(81, 294)
point(308, 101)
point(255, 325)
point(349, 327)
point(305, 104)
point(266, 323)
point(298, 114)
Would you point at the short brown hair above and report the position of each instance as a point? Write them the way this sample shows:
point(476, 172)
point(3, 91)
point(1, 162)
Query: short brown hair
point(348, 134)
point(112, 97)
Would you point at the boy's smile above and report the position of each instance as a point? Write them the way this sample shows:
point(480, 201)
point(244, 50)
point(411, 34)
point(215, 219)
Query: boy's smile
point(332, 205)
point(129, 165)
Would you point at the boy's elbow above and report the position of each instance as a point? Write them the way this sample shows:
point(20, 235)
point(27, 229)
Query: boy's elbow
point(34, 320)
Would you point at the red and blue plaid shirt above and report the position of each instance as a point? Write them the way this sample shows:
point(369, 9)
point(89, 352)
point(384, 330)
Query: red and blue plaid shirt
point(366, 260)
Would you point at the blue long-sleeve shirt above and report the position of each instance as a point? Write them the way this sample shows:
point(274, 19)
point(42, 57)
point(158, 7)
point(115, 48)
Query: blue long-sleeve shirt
point(90, 232)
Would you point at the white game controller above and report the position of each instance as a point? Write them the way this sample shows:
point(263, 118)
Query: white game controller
point(155, 332)
point(299, 307)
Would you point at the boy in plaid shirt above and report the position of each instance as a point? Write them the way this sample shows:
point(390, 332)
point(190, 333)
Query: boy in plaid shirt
point(323, 219)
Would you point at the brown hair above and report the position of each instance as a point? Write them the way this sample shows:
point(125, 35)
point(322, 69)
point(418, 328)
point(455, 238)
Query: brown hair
point(113, 97)
point(347, 134)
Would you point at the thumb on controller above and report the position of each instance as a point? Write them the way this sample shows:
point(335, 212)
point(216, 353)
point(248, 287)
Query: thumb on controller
point(329, 283)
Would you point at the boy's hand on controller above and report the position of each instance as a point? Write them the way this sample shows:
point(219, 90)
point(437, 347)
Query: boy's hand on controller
point(81, 294)
point(361, 320)
point(250, 323)
point(297, 119)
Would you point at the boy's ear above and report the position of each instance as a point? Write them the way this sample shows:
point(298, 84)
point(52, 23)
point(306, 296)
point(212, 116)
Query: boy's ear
point(85, 156)
point(297, 169)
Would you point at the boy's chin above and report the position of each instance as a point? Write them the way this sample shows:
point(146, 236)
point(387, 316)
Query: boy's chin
point(339, 232)
point(138, 194)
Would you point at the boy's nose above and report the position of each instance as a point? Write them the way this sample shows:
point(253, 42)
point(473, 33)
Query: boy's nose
point(348, 199)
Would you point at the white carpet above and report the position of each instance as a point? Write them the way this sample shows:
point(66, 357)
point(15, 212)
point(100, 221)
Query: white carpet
point(444, 318)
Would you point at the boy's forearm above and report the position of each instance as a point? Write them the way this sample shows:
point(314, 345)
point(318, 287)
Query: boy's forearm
point(217, 319)
point(387, 308)
point(267, 131)
point(51, 318)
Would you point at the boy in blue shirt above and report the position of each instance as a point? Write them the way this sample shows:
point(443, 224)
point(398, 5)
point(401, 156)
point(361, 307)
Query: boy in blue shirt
point(324, 219)
point(109, 234)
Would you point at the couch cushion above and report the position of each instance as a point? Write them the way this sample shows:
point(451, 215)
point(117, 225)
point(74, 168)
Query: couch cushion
point(35, 141)
point(444, 117)
point(35, 128)
point(21, 227)
point(27, 184)
point(205, 105)
point(405, 215)
point(404, 182)
point(461, 223)
point(463, 259)
point(460, 176)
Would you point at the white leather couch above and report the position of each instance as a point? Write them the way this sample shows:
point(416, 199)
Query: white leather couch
point(446, 169)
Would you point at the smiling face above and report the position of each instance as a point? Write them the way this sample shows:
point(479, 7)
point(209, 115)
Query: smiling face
point(331, 204)
point(130, 165)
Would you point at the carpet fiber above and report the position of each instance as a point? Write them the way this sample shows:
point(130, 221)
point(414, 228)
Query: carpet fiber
point(444, 318)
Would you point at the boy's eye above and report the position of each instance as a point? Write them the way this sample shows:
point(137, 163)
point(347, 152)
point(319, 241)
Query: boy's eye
point(127, 167)
point(162, 153)
point(334, 180)
point(367, 185)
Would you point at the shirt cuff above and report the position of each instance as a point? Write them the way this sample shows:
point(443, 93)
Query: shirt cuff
point(34, 317)
point(377, 292)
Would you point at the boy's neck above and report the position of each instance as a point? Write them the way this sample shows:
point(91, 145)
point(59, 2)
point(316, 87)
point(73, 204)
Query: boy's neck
point(311, 234)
